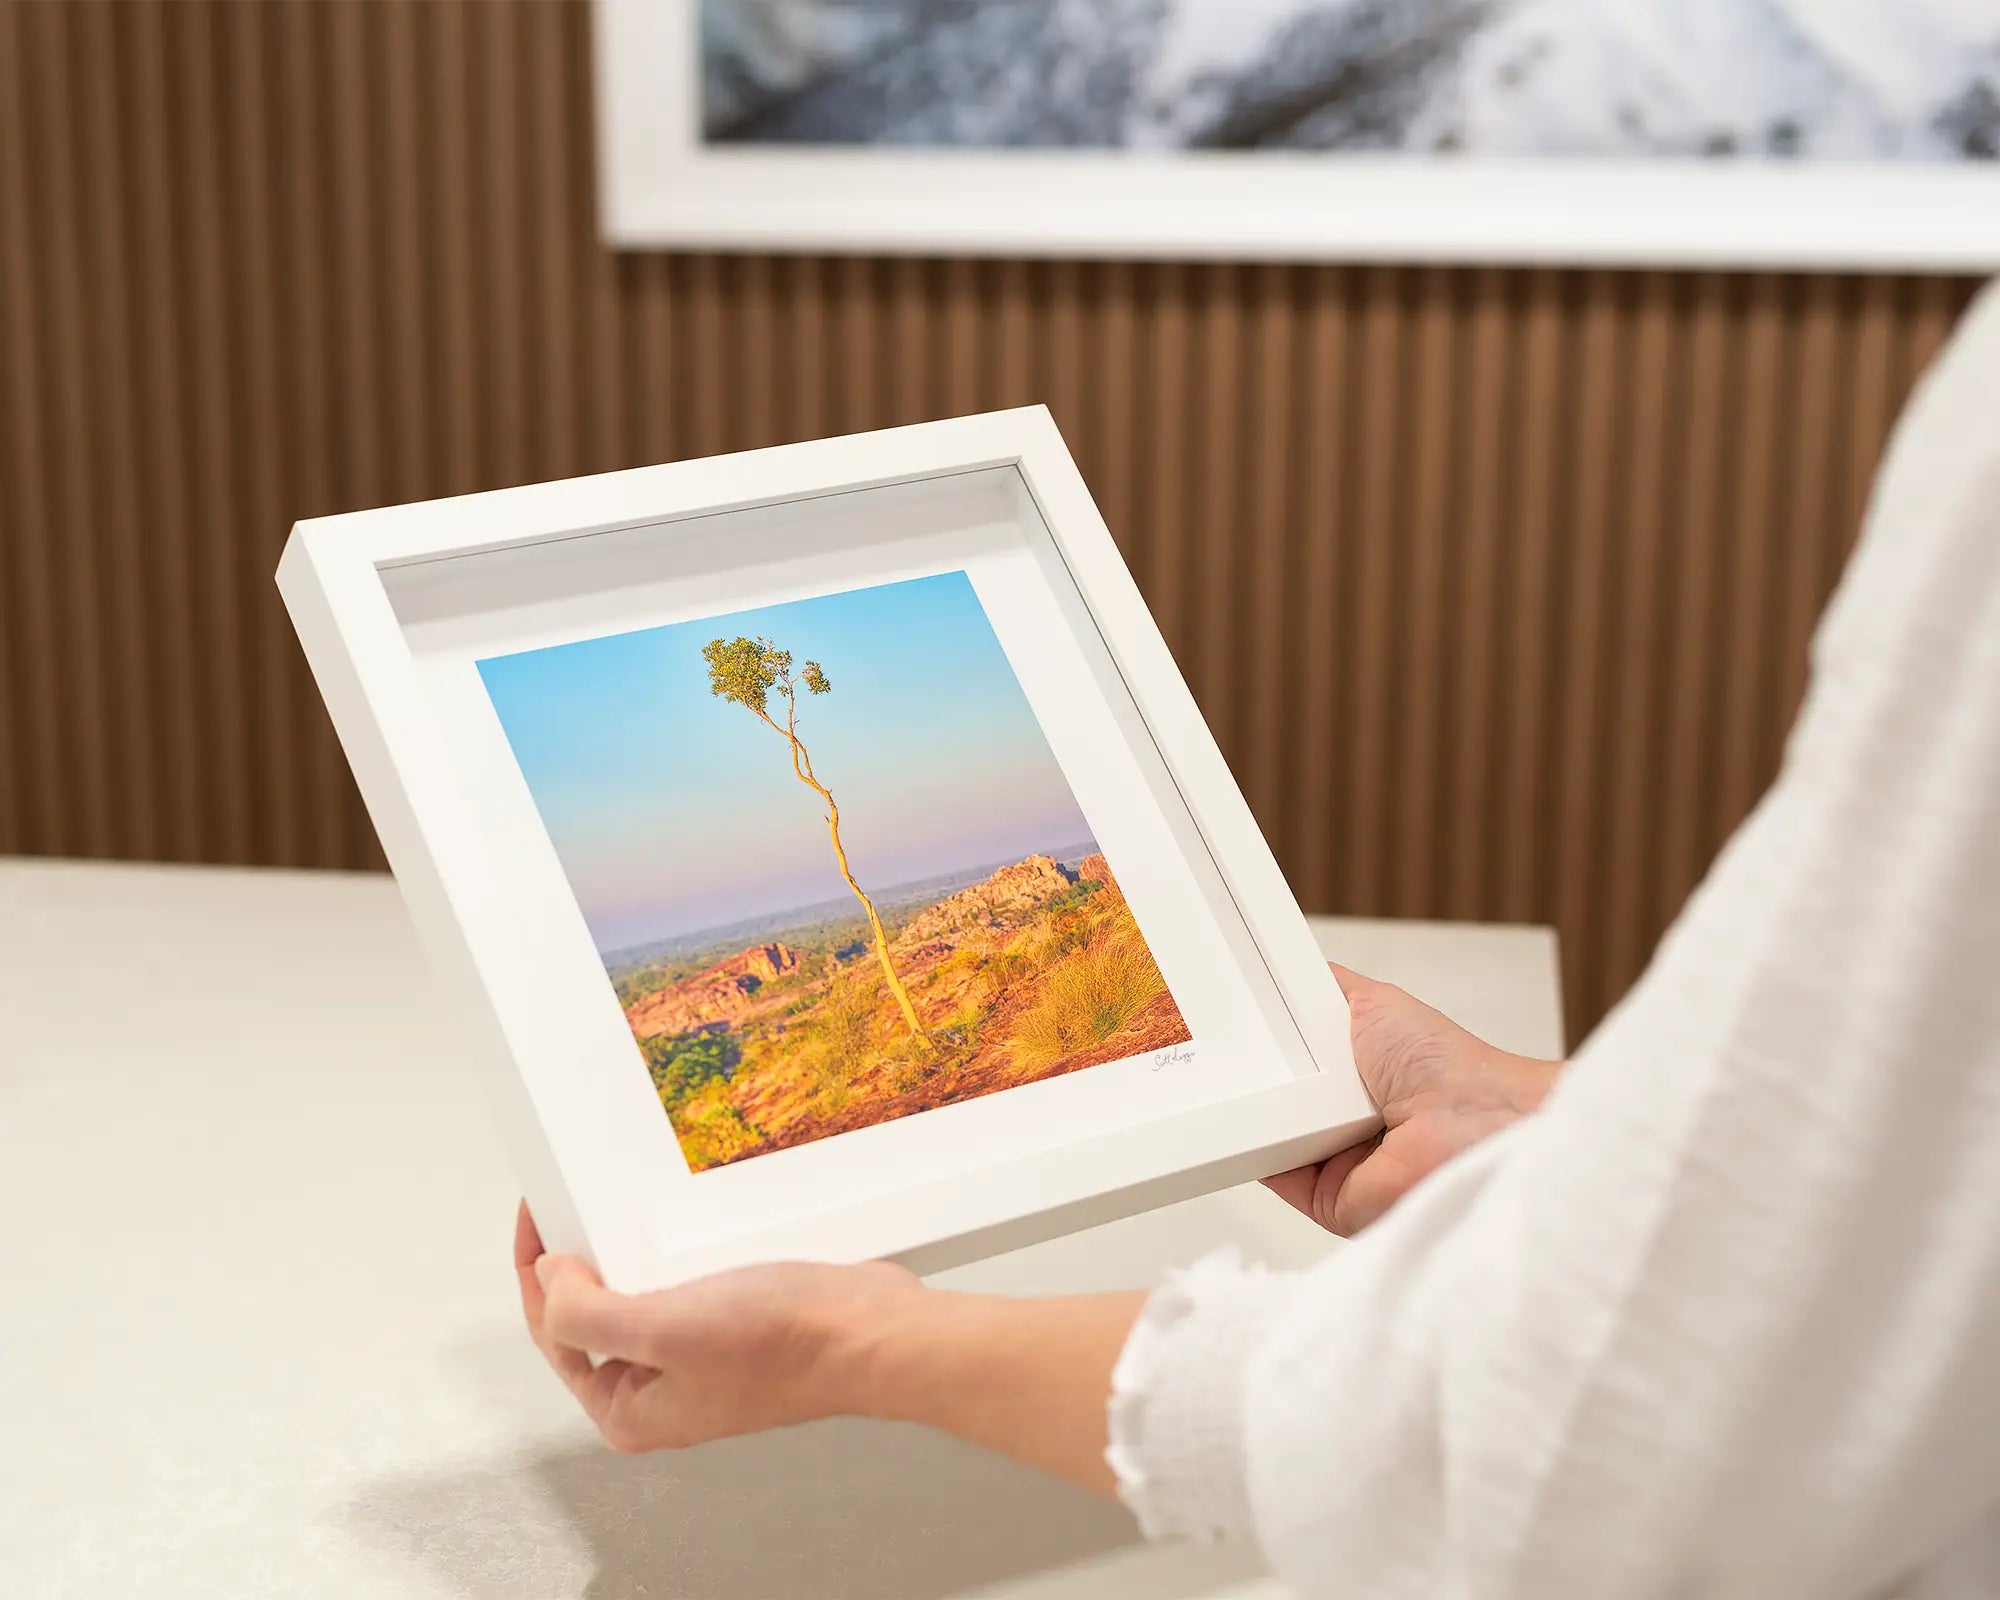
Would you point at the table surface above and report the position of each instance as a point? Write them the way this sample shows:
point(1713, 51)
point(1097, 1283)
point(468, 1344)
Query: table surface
point(262, 1337)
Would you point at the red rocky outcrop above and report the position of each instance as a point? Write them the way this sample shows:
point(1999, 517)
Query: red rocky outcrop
point(724, 992)
point(1094, 868)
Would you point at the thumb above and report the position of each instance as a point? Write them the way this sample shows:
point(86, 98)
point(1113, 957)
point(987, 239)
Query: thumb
point(1316, 1190)
point(578, 1311)
point(1351, 982)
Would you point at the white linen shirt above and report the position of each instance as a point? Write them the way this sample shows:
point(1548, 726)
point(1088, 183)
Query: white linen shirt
point(1723, 1319)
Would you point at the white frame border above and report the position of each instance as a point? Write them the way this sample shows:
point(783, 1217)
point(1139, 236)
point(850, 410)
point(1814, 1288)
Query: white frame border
point(659, 187)
point(331, 576)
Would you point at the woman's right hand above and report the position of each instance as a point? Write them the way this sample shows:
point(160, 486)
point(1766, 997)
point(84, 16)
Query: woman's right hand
point(1440, 1090)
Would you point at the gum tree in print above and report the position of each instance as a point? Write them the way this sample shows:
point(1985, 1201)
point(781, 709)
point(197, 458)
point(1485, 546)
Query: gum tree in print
point(748, 672)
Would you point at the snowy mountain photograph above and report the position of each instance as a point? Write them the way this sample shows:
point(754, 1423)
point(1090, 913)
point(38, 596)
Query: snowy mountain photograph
point(1796, 80)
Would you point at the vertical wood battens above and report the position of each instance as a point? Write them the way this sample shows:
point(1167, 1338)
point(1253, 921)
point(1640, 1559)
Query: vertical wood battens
point(105, 381)
point(1475, 624)
point(1326, 342)
point(1263, 630)
point(1222, 541)
point(1161, 536)
point(1431, 423)
point(1539, 422)
point(30, 777)
point(251, 191)
point(84, 739)
point(1594, 542)
point(304, 436)
point(1495, 584)
point(1750, 513)
point(1366, 618)
point(1688, 735)
point(1641, 612)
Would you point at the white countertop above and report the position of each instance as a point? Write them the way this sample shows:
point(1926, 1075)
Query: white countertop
point(261, 1338)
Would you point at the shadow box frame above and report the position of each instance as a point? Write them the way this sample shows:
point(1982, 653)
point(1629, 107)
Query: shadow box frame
point(396, 607)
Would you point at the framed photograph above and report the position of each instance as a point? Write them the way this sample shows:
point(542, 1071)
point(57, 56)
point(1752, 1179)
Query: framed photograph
point(1753, 133)
point(825, 851)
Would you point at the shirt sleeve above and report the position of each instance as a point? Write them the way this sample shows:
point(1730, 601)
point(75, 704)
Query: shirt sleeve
point(1724, 1317)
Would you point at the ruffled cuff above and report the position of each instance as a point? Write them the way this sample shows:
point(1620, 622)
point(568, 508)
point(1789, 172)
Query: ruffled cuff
point(1177, 1412)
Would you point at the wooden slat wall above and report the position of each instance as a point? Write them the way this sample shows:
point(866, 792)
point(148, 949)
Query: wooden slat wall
point(1495, 585)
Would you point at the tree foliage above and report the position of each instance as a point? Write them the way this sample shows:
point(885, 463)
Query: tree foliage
point(745, 671)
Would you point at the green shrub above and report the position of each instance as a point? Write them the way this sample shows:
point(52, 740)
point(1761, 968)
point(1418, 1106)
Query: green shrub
point(1073, 898)
point(1085, 999)
point(710, 1128)
point(682, 1064)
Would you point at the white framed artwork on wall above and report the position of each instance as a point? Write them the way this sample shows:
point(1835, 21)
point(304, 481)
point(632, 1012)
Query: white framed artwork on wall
point(1737, 133)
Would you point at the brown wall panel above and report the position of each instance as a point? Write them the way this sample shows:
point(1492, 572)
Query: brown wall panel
point(1494, 584)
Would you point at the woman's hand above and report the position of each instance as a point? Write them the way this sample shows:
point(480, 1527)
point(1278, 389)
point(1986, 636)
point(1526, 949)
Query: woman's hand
point(764, 1347)
point(1440, 1089)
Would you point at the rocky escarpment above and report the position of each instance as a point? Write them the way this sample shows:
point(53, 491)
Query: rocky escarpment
point(1008, 898)
point(731, 993)
point(724, 992)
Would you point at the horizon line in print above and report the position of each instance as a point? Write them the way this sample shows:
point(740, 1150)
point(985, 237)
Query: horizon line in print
point(1066, 854)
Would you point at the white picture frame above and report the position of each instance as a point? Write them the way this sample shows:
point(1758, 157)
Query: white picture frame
point(661, 187)
point(395, 608)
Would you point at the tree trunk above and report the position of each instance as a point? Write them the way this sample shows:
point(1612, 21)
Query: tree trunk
point(874, 922)
point(802, 768)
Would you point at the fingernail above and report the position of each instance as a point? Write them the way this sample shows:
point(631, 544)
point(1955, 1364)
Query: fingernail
point(545, 1267)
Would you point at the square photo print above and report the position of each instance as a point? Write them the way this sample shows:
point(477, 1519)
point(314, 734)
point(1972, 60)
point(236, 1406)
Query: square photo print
point(834, 871)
